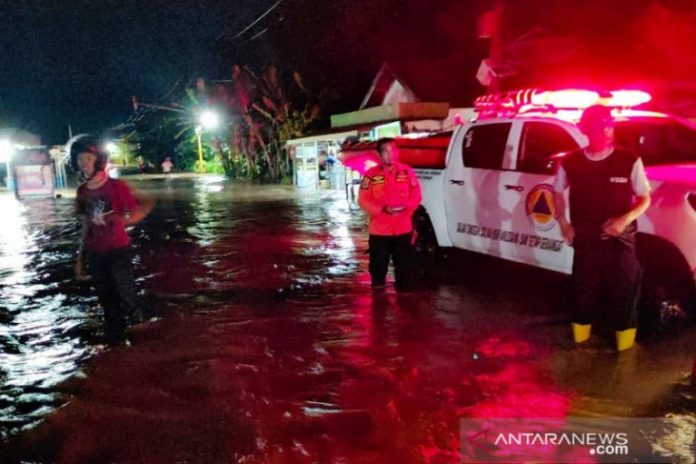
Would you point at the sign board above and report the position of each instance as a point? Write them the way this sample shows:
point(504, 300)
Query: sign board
point(33, 173)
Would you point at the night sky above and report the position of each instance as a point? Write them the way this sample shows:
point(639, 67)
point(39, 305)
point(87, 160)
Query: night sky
point(79, 61)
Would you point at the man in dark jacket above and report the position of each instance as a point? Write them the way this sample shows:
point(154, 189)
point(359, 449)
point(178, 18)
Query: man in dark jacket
point(608, 191)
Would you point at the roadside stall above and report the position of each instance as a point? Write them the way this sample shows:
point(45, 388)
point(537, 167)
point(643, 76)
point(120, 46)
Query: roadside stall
point(32, 169)
point(315, 164)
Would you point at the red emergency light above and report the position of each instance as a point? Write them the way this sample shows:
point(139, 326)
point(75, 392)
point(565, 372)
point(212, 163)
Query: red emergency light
point(569, 99)
point(629, 98)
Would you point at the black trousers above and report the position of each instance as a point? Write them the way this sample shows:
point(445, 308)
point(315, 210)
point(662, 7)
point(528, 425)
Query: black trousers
point(112, 275)
point(606, 282)
point(398, 248)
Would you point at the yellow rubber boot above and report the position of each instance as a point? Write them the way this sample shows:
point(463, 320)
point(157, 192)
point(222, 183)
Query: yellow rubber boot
point(625, 339)
point(581, 332)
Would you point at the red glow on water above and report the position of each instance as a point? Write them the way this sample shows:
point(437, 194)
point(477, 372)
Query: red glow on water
point(495, 347)
point(518, 388)
point(519, 391)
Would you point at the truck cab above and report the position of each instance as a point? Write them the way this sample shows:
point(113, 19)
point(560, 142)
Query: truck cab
point(493, 194)
point(502, 170)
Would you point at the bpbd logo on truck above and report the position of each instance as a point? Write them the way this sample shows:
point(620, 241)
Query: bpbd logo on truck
point(540, 207)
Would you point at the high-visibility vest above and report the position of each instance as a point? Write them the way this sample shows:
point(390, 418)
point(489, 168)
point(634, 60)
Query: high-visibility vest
point(394, 186)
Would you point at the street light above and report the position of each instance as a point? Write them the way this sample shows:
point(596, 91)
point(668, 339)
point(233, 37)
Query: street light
point(207, 120)
point(111, 149)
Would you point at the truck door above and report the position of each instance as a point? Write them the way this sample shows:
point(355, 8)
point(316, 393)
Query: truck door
point(529, 190)
point(472, 180)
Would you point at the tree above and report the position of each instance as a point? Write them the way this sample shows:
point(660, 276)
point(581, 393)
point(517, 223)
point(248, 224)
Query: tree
point(265, 111)
point(158, 134)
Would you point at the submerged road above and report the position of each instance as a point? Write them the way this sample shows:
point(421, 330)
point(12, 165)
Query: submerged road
point(270, 346)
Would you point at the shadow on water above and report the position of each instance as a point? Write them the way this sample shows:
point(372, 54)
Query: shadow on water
point(272, 347)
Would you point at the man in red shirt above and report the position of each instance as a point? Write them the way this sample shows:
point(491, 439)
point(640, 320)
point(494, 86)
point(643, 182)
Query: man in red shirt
point(390, 194)
point(107, 206)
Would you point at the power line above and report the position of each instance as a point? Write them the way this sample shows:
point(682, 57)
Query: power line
point(259, 34)
point(257, 19)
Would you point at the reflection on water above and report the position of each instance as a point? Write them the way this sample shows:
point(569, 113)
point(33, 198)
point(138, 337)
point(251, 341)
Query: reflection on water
point(39, 315)
point(15, 241)
point(273, 343)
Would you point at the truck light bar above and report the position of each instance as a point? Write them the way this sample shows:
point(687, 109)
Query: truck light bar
point(565, 98)
point(519, 101)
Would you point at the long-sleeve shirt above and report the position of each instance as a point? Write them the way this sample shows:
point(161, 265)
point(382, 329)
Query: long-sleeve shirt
point(393, 186)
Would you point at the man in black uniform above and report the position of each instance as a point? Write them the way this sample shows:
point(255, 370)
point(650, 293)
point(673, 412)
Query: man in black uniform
point(608, 191)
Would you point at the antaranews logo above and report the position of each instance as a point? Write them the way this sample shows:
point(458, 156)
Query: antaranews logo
point(597, 443)
point(566, 440)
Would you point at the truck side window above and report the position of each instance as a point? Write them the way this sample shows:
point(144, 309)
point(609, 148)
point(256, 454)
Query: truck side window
point(658, 141)
point(484, 146)
point(645, 138)
point(681, 143)
point(540, 141)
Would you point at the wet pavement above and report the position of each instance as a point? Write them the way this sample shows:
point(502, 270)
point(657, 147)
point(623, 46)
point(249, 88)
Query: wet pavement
point(270, 345)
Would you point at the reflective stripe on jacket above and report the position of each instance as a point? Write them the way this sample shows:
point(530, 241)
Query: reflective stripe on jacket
point(396, 186)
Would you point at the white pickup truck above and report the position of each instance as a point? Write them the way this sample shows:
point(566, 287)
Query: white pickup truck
point(487, 188)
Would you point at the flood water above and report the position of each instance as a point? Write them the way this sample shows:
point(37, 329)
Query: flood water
point(268, 344)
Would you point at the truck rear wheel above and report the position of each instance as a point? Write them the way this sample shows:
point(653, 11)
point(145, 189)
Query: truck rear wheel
point(668, 291)
point(428, 251)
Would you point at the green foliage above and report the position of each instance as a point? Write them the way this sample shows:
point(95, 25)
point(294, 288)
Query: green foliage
point(124, 154)
point(187, 154)
point(213, 166)
point(266, 111)
point(237, 166)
